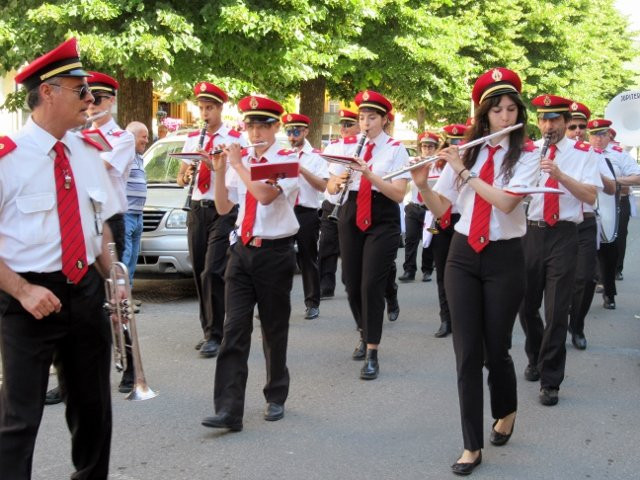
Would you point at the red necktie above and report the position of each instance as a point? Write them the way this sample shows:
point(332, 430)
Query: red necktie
point(551, 210)
point(479, 230)
point(204, 174)
point(419, 197)
point(74, 251)
point(363, 200)
point(250, 209)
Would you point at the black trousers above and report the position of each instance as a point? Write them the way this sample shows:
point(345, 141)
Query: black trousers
point(367, 259)
point(607, 261)
point(208, 237)
point(307, 239)
point(550, 255)
point(623, 228)
point(78, 342)
point(414, 221)
point(585, 284)
point(261, 276)
point(328, 249)
point(440, 244)
point(391, 288)
point(484, 291)
point(116, 225)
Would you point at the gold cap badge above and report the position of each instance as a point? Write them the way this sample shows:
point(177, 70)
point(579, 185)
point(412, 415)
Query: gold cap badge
point(496, 75)
point(365, 96)
point(547, 100)
point(253, 103)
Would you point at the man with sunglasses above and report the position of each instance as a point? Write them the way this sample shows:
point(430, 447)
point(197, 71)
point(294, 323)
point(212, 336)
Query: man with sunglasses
point(314, 174)
point(329, 248)
point(52, 264)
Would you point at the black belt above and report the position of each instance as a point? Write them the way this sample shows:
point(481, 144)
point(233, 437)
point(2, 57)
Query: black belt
point(588, 214)
point(303, 209)
point(257, 242)
point(204, 203)
point(50, 277)
point(543, 224)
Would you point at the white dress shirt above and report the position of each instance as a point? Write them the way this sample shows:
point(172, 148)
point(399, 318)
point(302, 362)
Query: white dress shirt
point(120, 158)
point(502, 226)
point(29, 222)
point(580, 162)
point(345, 147)
point(276, 220)
point(308, 156)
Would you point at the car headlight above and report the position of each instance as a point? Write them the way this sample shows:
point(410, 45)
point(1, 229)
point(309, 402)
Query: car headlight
point(177, 219)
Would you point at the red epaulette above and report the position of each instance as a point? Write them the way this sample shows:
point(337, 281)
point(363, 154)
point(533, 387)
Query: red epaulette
point(244, 152)
point(193, 134)
point(234, 133)
point(396, 143)
point(529, 146)
point(6, 145)
point(286, 152)
point(582, 146)
point(117, 133)
point(315, 150)
point(597, 150)
point(335, 141)
point(617, 148)
point(351, 139)
point(92, 142)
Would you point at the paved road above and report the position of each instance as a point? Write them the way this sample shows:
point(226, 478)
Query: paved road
point(404, 425)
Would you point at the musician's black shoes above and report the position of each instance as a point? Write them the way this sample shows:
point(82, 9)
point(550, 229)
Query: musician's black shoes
point(224, 420)
point(200, 343)
point(498, 439)
point(53, 396)
point(209, 349)
point(608, 302)
point(407, 277)
point(548, 396)
point(126, 384)
point(273, 411)
point(311, 313)
point(370, 369)
point(619, 276)
point(393, 309)
point(360, 352)
point(444, 330)
point(579, 341)
point(466, 468)
point(426, 277)
point(531, 373)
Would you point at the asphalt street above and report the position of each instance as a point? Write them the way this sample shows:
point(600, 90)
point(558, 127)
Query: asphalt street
point(404, 425)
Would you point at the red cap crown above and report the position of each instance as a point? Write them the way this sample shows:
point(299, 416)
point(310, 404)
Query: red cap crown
point(495, 82)
point(375, 100)
point(551, 106)
point(598, 125)
point(296, 120)
point(391, 116)
point(102, 83)
point(348, 116)
point(429, 137)
point(579, 110)
point(260, 109)
point(62, 61)
point(455, 130)
point(209, 91)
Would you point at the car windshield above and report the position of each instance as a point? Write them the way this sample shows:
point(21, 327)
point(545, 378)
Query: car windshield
point(160, 167)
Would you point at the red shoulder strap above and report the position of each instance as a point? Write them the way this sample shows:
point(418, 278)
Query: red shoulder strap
point(234, 133)
point(6, 146)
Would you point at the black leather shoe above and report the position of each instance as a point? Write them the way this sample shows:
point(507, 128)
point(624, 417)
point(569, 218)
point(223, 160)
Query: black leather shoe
point(426, 277)
point(548, 396)
point(531, 373)
point(200, 343)
point(464, 469)
point(498, 439)
point(311, 312)
point(370, 369)
point(326, 294)
point(444, 330)
point(393, 309)
point(360, 352)
point(53, 396)
point(608, 302)
point(273, 411)
point(599, 288)
point(209, 349)
point(223, 420)
point(407, 277)
point(619, 276)
point(126, 384)
point(579, 341)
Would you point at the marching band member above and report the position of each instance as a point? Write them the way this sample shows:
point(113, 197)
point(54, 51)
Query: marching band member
point(627, 173)
point(329, 247)
point(207, 229)
point(369, 224)
point(484, 276)
point(453, 134)
point(313, 180)
point(414, 213)
point(551, 244)
point(55, 194)
point(260, 267)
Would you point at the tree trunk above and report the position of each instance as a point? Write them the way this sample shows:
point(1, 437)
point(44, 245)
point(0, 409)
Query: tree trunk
point(135, 101)
point(312, 105)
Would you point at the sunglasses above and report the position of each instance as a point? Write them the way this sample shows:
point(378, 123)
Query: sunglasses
point(573, 127)
point(82, 91)
point(295, 132)
point(98, 99)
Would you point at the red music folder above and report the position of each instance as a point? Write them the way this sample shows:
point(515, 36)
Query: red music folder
point(340, 159)
point(274, 171)
point(95, 137)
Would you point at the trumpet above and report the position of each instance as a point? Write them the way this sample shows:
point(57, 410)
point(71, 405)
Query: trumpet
point(345, 187)
point(121, 315)
point(465, 146)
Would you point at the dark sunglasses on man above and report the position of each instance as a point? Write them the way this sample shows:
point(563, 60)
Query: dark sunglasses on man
point(293, 132)
point(99, 98)
point(82, 91)
point(574, 126)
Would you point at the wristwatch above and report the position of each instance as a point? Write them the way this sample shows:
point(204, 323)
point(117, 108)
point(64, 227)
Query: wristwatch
point(470, 176)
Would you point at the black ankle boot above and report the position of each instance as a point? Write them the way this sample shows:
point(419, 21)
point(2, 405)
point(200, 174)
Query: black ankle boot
point(360, 351)
point(370, 369)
